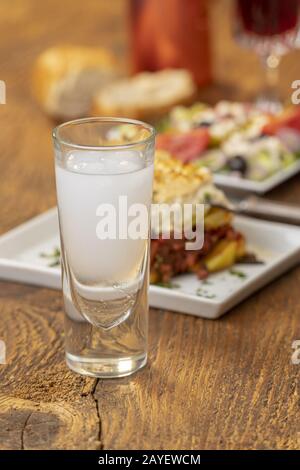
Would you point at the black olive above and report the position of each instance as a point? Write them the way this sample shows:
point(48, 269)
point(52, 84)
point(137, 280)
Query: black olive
point(203, 124)
point(237, 163)
point(258, 137)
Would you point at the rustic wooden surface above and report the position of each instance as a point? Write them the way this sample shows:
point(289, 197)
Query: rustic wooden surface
point(223, 384)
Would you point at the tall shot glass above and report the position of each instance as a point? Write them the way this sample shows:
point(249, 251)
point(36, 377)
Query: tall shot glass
point(104, 175)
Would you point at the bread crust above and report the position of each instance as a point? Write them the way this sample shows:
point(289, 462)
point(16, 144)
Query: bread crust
point(65, 78)
point(146, 95)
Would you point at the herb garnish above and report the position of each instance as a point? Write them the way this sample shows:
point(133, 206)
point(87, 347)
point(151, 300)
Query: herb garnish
point(203, 293)
point(54, 257)
point(207, 198)
point(240, 274)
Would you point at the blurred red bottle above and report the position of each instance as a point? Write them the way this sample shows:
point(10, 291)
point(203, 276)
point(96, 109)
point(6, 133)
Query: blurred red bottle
point(170, 34)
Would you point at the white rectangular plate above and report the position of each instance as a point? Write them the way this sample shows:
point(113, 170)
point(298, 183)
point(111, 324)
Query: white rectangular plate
point(276, 244)
point(259, 187)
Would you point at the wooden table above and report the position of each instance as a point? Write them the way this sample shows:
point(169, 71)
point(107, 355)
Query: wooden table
point(224, 384)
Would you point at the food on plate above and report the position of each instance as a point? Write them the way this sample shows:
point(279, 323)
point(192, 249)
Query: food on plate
point(175, 182)
point(65, 78)
point(145, 95)
point(288, 119)
point(232, 138)
point(185, 145)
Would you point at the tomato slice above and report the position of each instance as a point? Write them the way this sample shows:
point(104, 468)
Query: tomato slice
point(288, 119)
point(185, 146)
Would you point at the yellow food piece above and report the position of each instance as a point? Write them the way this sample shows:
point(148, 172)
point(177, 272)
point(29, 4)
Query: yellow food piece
point(217, 218)
point(174, 180)
point(222, 256)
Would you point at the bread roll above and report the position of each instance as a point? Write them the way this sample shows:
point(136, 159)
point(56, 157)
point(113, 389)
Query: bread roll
point(65, 78)
point(145, 95)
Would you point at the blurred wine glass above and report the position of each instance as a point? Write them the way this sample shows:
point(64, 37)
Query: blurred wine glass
point(271, 29)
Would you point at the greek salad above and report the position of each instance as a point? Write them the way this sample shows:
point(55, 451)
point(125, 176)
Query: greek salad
point(231, 138)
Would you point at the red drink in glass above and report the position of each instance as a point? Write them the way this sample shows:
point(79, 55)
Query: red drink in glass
point(269, 25)
point(268, 17)
point(271, 28)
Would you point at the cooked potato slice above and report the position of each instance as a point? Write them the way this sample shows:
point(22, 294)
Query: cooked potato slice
point(222, 256)
point(217, 218)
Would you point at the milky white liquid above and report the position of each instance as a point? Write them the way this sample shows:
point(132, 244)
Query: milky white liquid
point(87, 180)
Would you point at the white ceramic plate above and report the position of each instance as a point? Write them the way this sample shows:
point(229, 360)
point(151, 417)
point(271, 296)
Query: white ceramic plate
point(276, 244)
point(259, 187)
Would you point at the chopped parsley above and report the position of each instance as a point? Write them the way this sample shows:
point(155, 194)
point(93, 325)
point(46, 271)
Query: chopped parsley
point(54, 257)
point(240, 274)
point(207, 198)
point(203, 293)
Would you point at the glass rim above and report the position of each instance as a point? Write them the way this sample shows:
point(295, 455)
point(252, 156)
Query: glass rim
point(69, 143)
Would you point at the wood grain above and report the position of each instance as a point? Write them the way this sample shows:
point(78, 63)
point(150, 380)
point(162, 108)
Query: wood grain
point(27, 425)
point(42, 403)
point(226, 384)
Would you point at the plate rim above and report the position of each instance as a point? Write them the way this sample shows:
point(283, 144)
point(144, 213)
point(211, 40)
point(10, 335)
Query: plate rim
point(259, 187)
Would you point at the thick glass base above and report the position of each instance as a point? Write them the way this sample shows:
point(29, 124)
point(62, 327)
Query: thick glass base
point(105, 368)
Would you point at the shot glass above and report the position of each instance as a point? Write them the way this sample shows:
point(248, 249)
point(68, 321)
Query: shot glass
point(104, 176)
